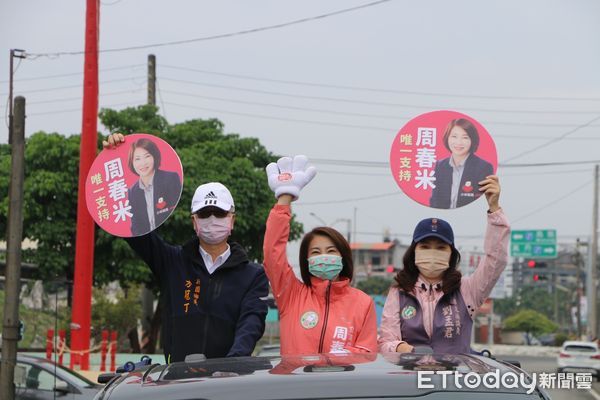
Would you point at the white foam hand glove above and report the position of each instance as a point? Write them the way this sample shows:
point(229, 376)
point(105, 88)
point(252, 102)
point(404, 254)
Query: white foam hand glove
point(289, 176)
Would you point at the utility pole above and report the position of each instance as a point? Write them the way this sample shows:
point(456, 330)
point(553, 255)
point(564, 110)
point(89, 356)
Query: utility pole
point(14, 53)
point(10, 329)
point(579, 286)
point(554, 282)
point(152, 79)
point(593, 295)
point(354, 237)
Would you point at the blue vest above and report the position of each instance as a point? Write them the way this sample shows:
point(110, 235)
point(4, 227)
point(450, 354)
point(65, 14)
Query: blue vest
point(452, 324)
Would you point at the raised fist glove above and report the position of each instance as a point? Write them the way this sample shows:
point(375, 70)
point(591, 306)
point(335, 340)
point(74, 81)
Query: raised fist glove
point(289, 176)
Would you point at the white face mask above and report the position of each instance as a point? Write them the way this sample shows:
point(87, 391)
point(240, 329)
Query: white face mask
point(213, 230)
point(431, 262)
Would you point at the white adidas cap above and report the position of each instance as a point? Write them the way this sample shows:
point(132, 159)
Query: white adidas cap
point(213, 194)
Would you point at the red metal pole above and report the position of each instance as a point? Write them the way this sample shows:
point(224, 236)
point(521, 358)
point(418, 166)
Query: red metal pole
point(113, 350)
point(49, 340)
point(84, 244)
point(103, 348)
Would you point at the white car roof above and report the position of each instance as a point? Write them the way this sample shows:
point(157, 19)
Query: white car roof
point(579, 343)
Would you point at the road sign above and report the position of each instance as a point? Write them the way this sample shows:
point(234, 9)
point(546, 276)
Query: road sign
point(533, 243)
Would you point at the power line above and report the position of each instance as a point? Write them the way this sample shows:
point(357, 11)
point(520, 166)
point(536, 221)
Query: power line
point(305, 121)
point(352, 114)
point(213, 37)
point(338, 201)
point(74, 73)
point(553, 202)
point(77, 109)
point(64, 99)
point(319, 110)
point(551, 141)
point(397, 91)
point(388, 175)
point(71, 86)
point(385, 164)
point(336, 99)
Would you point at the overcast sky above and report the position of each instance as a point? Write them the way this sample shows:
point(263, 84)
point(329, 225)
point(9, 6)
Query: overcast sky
point(527, 70)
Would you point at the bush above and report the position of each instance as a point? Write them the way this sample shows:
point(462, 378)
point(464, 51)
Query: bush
point(121, 316)
point(560, 338)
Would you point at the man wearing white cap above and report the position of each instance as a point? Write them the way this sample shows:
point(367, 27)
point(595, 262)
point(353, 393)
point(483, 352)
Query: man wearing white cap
point(212, 293)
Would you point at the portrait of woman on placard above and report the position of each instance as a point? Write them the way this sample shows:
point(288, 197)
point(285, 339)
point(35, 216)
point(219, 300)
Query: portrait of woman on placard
point(458, 176)
point(154, 196)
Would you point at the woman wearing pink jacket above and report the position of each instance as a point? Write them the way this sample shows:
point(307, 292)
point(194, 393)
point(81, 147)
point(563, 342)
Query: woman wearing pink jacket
point(431, 304)
point(322, 313)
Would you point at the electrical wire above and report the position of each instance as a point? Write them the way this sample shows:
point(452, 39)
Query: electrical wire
point(302, 121)
point(78, 109)
point(521, 174)
point(78, 98)
point(163, 109)
point(339, 201)
point(554, 140)
point(327, 123)
point(213, 37)
point(553, 202)
point(396, 91)
point(337, 99)
point(385, 164)
point(36, 78)
point(73, 86)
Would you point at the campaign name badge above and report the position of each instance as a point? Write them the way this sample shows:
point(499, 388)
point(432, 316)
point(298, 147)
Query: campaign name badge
point(439, 158)
point(309, 319)
point(408, 312)
point(132, 189)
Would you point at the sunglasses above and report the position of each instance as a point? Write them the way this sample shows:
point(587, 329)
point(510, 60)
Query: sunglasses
point(208, 211)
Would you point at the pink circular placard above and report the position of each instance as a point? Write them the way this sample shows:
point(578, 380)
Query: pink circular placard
point(133, 188)
point(439, 157)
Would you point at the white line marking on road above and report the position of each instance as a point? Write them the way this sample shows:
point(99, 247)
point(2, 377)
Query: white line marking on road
point(593, 393)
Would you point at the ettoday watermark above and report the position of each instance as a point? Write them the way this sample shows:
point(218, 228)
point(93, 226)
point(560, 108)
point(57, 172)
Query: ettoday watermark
point(507, 380)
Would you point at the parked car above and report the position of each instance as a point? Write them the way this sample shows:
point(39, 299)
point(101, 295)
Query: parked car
point(320, 376)
point(579, 356)
point(40, 379)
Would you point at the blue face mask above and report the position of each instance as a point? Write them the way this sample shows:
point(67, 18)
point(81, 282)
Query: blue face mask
point(325, 266)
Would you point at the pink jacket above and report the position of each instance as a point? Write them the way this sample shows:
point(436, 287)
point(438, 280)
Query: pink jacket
point(326, 317)
point(474, 289)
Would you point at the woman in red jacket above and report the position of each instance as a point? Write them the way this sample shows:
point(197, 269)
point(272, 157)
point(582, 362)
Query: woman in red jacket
point(322, 313)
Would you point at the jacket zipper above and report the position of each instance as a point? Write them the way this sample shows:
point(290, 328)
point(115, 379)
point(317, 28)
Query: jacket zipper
point(207, 318)
point(327, 294)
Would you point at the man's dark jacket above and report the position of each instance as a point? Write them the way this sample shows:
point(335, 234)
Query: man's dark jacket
point(475, 170)
point(217, 315)
point(167, 189)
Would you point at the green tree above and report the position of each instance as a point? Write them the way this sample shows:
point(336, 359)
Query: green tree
point(375, 285)
point(120, 316)
point(531, 322)
point(537, 299)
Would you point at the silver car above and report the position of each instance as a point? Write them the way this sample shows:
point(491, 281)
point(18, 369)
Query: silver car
point(40, 379)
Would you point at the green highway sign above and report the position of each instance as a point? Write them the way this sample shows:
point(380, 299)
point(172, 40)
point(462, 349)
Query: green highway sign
point(533, 243)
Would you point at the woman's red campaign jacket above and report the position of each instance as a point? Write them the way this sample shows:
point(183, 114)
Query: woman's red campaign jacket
point(326, 317)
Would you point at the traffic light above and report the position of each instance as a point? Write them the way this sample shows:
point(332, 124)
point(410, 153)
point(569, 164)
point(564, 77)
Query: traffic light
point(531, 263)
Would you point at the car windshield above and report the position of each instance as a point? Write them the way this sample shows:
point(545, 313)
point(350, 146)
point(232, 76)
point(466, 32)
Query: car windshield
point(581, 348)
point(79, 380)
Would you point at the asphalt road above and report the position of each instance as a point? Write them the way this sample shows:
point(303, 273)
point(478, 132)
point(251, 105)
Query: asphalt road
point(548, 365)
